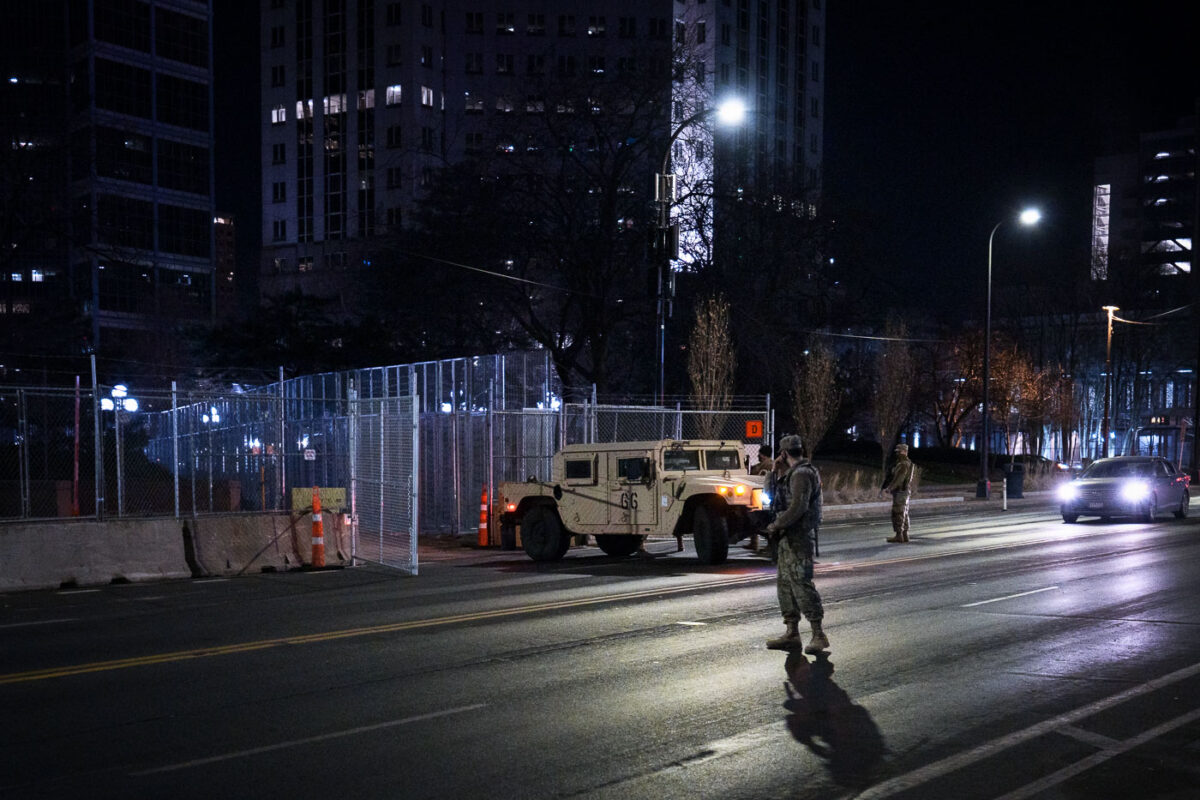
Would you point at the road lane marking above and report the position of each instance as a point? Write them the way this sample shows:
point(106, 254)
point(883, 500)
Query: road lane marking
point(199, 762)
point(39, 622)
point(1105, 754)
point(1097, 740)
point(1009, 597)
point(903, 783)
point(347, 633)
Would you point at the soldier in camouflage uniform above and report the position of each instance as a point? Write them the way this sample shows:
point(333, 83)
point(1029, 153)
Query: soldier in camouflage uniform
point(801, 495)
point(900, 485)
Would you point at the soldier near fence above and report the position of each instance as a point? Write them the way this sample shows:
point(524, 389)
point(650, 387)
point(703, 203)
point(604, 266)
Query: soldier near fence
point(794, 529)
point(899, 484)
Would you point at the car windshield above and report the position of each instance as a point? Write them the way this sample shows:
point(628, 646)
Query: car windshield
point(677, 460)
point(722, 459)
point(1120, 469)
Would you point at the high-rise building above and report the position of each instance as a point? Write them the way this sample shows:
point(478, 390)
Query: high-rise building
point(1144, 216)
point(363, 100)
point(108, 110)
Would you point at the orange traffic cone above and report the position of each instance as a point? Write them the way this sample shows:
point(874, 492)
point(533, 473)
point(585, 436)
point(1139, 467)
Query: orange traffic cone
point(483, 519)
point(318, 535)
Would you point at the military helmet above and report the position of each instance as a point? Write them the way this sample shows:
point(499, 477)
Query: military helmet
point(791, 445)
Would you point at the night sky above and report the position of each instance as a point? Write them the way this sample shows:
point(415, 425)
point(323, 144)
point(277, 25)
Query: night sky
point(941, 120)
point(945, 118)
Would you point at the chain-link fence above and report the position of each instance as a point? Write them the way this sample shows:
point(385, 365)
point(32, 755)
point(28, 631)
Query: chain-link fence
point(384, 437)
point(109, 451)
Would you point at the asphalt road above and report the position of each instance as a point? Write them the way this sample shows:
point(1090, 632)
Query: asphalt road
point(999, 655)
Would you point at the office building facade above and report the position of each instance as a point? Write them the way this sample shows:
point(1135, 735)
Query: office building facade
point(110, 108)
point(364, 100)
point(1144, 216)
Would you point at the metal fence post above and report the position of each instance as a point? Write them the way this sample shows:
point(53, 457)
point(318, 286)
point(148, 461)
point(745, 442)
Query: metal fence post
point(175, 443)
point(352, 395)
point(23, 453)
point(491, 453)
point(120, 462)
point(98, 454)
point(415, 477)
point(283, 448)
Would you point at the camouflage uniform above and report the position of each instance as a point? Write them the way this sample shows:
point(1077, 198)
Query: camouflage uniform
point(798, 595)
point(900, 485)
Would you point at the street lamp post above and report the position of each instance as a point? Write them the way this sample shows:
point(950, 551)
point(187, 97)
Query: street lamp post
point(1029, 216)
point(729, 112)
point(1107, 377)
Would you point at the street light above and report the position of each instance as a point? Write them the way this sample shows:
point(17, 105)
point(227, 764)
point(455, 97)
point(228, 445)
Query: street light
point(122, 405)
point(1107, 376)
point(729, 112)
point(1029, 216)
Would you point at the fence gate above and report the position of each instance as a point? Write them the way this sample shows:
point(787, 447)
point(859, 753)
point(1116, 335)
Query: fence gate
point(385, 450)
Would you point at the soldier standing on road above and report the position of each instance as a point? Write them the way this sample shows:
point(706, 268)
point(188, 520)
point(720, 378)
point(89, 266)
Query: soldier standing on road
point(899, 483)
point(763, 466)
point(765, 463)
point(798, 596)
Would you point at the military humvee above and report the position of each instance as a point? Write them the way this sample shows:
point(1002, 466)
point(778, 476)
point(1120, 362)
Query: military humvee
point(624, 491)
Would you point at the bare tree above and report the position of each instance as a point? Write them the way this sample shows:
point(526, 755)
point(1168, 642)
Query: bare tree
point(893, 386)
point(711, 362)
point(815, 395)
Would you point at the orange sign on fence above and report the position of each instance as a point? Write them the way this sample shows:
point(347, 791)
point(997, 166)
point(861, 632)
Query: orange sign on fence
point(754, 429)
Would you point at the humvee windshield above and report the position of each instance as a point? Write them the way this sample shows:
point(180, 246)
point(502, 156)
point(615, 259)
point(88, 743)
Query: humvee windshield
point(722, 459)
point(681, 460)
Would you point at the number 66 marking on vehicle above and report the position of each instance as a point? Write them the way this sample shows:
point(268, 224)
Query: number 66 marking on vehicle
point(628, 500)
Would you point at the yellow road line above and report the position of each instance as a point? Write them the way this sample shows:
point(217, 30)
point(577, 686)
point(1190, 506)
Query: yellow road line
point(347, 633)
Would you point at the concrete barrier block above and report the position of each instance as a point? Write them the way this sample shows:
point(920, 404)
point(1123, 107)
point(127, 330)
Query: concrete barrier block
point(241, 544)
point(49, 555)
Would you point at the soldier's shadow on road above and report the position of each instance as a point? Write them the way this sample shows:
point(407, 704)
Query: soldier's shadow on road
point(823, 718)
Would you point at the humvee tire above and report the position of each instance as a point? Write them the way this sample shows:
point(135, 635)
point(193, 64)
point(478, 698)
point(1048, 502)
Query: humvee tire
point(710, 533)
point(543, 536)
point(618, 544)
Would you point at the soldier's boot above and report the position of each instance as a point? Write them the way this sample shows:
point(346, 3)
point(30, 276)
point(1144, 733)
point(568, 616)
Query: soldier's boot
point(895, 539)
point(819, 640)
point(789, 640)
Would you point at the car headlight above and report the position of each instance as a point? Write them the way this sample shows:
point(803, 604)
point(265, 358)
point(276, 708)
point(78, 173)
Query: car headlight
point(766, 499)
point(1134, 491)
point(1068, 492)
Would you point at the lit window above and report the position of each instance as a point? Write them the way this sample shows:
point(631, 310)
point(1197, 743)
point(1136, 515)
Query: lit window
point(278, 115)
point(427, 97)
point(304, 109)
point(393, 95)
point(366, 99)
point(37, 276)
point(17, 277)
point(335, 104)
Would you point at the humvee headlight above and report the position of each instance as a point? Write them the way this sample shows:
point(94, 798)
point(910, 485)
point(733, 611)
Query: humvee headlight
point(739, 490)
